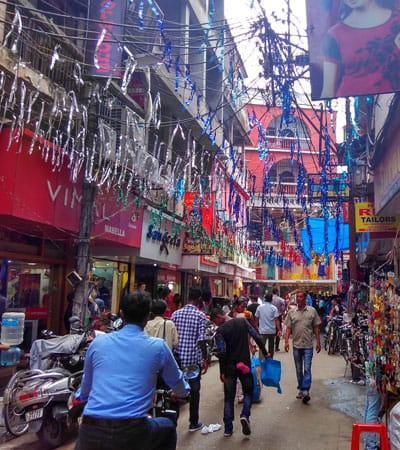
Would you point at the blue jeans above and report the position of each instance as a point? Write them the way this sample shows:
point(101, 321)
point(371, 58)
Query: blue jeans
point(151, 434)
point(372, 408)
point(302, 361)
point(231, 376)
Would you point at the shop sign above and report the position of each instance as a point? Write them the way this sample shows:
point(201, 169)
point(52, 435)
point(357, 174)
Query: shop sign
point(167, 276)
point(164, 238)
point(227, 269)
point(368, 221)
point(102, 60)
point(210, 260)
point(161, 245)
point(52, 199)
point(196, 245)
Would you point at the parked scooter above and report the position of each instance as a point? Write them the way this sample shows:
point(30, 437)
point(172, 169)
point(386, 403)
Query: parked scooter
point(36, 401)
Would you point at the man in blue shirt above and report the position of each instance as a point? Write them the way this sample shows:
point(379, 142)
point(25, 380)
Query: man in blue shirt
point(191, 325)
point(119, 381)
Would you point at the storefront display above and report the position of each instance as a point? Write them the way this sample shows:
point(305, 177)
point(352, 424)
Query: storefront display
point(111, 279)
point(384, 339)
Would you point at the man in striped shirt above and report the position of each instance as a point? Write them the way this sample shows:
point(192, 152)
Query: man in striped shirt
point(191, 325)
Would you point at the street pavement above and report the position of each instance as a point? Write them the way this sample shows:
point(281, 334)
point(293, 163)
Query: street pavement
point(279, 421)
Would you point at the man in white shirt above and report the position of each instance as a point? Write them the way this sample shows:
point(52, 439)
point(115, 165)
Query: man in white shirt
point(267, 316)
point(279, 304)
point(161, 327)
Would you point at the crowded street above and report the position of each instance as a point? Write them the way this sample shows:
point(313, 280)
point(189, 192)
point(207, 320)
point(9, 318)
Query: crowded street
point(200, 224)
point(279, 421)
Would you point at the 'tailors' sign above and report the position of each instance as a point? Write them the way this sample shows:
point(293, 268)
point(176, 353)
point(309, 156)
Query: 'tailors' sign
point(368, 221)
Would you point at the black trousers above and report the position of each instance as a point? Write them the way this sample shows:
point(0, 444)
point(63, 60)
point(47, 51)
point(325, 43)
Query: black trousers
point(277, 338)
point(269, 342)
point(194, 400)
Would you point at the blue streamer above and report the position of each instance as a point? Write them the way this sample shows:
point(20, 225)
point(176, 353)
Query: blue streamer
point(211, 14)
point(177, 73)
point(167, 57)
point(140, 15)
point(286, 103)
point(221, 42)
point(191, 96)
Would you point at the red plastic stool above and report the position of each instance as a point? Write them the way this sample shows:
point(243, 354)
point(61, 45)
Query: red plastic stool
point(359, 428)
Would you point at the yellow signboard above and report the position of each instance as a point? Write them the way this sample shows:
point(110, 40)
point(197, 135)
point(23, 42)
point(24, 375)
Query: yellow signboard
point(367, 221)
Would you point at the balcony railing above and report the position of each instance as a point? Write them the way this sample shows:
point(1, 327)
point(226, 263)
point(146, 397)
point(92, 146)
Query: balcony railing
point(276, 193)
point(38, 42)
point(286, 142)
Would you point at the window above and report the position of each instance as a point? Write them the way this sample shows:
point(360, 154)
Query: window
point(286, 177)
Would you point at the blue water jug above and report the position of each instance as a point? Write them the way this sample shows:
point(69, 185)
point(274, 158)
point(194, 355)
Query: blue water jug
point(10, 357)
point(12, 328)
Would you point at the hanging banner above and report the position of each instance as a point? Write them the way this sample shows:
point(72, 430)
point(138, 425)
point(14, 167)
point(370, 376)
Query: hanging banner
point(354, 47)
point(103, 54)
point(367, 221)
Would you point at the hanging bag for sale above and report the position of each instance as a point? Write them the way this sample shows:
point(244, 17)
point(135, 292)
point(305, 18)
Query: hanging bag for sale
point(271, 373)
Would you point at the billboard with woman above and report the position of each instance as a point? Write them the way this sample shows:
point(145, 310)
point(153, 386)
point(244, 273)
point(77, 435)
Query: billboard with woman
point(354, 47)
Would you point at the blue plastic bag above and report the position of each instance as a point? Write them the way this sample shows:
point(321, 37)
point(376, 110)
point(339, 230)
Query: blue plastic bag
point(271, 373)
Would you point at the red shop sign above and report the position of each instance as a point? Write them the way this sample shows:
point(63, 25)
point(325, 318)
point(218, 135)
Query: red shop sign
point(166, 276)
point(31, 190)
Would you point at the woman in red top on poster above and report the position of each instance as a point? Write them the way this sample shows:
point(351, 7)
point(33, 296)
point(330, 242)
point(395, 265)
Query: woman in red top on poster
point(362, 52)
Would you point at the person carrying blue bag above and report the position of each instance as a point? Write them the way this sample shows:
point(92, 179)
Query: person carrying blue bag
point(301, 323)
point(232, 340)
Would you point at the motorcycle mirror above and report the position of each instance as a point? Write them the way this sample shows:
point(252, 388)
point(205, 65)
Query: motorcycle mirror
point(117, 323)
point(191, 372)
point(74, 360)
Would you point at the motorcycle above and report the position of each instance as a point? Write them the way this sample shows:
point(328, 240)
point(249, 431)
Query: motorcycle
point(35, 400)
point(165, 404)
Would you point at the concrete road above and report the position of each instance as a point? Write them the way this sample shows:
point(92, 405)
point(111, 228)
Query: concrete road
point(280, 421)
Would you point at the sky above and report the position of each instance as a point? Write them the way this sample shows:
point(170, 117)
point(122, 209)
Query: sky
point(242, 15)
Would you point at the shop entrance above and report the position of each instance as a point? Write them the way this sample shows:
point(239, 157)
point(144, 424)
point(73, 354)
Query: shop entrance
point(112, 281)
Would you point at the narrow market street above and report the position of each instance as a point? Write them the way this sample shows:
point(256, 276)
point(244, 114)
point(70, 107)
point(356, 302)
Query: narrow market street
point(278, 422)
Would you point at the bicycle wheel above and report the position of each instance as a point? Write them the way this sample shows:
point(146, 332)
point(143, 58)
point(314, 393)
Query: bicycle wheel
point(14, 420)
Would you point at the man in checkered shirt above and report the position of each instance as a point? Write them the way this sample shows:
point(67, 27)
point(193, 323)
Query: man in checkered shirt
point(191, 325)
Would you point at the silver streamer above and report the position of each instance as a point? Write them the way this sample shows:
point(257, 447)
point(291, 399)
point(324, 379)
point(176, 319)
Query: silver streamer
point(37, 129)
point(129, 69)
point(55, 56)
point(20, 122)
point(33, 96)
point(157, 112)
point(99, 42)
point(90, 154)
point(16, 24)
point(77, 74)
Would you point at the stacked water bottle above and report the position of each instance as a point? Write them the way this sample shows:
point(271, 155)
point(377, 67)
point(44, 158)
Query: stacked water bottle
point(12, 334)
